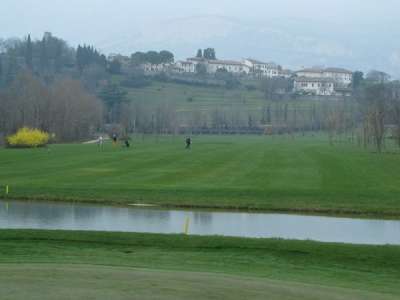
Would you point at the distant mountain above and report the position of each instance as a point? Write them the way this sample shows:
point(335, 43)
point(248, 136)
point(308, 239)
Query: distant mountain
point(292, 43)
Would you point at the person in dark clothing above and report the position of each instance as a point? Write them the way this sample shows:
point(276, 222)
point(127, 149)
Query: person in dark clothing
point(188, 142)
point(127, 144)
point(114, 139)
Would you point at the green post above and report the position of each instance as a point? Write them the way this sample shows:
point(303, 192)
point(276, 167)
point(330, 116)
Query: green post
point(7, 189)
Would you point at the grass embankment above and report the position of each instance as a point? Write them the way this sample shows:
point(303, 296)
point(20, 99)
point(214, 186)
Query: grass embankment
point(272, 173)
point(187, 98)
point(73, 264)
point(237, 103)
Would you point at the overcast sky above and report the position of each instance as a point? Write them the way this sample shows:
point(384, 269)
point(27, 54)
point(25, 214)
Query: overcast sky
point(330, 28)
point(19, 15)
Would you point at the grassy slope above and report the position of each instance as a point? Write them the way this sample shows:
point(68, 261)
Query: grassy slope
point(236, 103)
point(203, 98)
point(367, 268)
point(247, 172)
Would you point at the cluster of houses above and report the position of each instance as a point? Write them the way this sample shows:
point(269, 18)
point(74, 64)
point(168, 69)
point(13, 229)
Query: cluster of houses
point(312, 81)
point(244, 67)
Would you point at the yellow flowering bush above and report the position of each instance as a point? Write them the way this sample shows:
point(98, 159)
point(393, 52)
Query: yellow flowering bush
point(28, 137)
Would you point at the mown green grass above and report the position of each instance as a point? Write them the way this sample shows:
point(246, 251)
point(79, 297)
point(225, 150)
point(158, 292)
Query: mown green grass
point(179, 266)
point(59, 281)
point(250, 172)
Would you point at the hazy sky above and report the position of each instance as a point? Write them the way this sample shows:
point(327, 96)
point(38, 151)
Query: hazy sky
point(21, 14)
point(317, 31)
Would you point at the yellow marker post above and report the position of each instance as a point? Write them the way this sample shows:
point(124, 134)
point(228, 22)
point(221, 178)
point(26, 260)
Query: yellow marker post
point(186, 226)
point(7, 191)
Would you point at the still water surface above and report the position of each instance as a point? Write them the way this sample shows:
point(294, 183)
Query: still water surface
point(69, 216)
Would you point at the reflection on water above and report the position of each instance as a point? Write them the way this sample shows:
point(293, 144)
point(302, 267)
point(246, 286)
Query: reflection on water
point(69, 216)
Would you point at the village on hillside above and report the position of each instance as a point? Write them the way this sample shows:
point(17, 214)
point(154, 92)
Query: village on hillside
point(204, 68)
point(316, 81)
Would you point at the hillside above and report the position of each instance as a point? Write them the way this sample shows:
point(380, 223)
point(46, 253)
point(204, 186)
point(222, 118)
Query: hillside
point(233, 106)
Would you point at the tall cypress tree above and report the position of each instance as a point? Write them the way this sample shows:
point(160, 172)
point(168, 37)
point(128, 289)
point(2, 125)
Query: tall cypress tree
point(28, 53)
point(58, 56)
point(1, 71)
point(43, 55)
point(80, 58)
point(113, 96)
point(199, 53)
point(209, 53)
point(1, 66)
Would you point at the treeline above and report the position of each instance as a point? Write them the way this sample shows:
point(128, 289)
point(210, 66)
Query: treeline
point(87, 56)
point(68, 92)
point(48, 58)
point(152, 57)
point(64, 108)
point(208, 53)
point(52, 56)
point(45, 57)
point(369, 119)
point(379, 111)
point(47, 84)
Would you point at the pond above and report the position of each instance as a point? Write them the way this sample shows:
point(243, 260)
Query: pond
point(73, 216)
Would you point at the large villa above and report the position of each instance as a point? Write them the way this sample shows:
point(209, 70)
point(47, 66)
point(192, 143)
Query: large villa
point(323, 82)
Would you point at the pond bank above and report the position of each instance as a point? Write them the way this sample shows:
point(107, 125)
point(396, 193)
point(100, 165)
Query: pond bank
point(78, 216)
point(332, 212)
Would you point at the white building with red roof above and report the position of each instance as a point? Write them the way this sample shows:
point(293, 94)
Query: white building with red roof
point(314, 85)
point(260, 68)
point(341, 77)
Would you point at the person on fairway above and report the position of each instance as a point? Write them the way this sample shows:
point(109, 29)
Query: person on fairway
point(114, 139)
point(127, 144)
point(188, 143)
point(100, 142)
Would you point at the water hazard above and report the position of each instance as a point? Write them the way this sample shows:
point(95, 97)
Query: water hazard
point(69, 216)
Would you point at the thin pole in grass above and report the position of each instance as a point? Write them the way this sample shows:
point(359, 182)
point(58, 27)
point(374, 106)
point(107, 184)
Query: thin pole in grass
point(7, 191)
point(186, 226)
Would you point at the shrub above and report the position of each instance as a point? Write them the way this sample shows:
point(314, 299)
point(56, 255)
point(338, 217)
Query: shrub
point(28, 137)
point(250, 87)
point(136, 81)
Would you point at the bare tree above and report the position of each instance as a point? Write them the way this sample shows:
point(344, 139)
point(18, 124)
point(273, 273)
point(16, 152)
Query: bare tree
point(65, 108)
point(165, 118)
point(394, 97)
point(25, 103)
point(75, 113)
point(373, 107)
